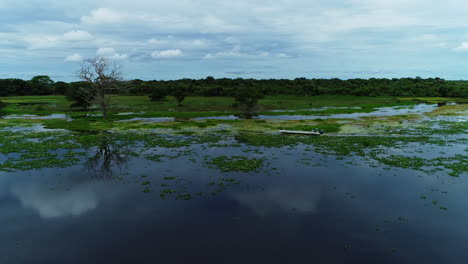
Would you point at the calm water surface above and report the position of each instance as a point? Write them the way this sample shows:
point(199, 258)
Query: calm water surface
point(303, 207)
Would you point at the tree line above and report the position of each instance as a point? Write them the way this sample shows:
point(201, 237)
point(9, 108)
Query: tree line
point(157, 90)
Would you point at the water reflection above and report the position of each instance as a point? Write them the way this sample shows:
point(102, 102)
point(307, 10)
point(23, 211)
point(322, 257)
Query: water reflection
point(382, 111)
point(58, 203)
point(33, 117)
point(283, 195)
point(33, 128)
point(357, 207)
point(56, 195)
point(149, 120)
point(109, 155)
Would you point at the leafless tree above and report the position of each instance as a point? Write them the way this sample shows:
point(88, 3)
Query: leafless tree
point(104, 77)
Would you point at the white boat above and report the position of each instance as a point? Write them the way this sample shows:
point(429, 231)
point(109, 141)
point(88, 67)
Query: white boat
point(312, 133)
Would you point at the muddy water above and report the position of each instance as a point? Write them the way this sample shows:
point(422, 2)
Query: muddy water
point(302, 207)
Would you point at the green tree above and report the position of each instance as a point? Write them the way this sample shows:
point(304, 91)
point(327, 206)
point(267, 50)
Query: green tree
point(81, 94)
point(158, 92)
point(41, 85)
point(247, 99)
point(180, 91)
point(61, 87)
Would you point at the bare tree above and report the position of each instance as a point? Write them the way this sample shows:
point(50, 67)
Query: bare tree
point(103, 77)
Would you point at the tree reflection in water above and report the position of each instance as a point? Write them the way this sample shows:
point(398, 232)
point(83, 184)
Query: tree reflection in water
point(109, 155)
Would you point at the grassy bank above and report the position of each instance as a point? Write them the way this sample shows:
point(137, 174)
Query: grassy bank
point(58, 104)
point(193, 107)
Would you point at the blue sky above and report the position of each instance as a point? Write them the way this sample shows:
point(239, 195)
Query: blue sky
point(155, 39)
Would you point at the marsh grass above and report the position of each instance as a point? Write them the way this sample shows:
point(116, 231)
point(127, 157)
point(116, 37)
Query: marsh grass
point(236, 164)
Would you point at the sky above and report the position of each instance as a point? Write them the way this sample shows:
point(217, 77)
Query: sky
point(162, 40)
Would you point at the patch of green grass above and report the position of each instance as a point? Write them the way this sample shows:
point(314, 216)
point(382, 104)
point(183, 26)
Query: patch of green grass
point(328, 128)
point(364, 146)
point(166, 192)
point(184, 196)
point(236, 163)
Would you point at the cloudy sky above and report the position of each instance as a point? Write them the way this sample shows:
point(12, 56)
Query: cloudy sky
point(156, 39)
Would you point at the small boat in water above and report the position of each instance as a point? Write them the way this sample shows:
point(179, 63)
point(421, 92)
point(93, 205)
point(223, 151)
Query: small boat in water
point(311, 133)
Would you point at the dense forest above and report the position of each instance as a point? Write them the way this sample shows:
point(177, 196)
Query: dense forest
point(43, 85)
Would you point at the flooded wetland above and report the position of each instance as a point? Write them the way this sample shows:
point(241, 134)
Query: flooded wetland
point(233, 132)
point(385, 184)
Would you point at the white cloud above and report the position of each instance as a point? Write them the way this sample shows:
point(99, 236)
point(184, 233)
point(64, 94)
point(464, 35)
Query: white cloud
point(326, 34)
point(199, 43)
point(182, 43)
point(158, 42)
point(110, 53)
point(77, 35)
point(41, 42)
point(164, 54)
point(425, 38)
point(462, 47)
point(209, 56)
point(237, 52)
point(232, 40)
point(103, 16)
point(105, 52)
point(74, 58)
point(282, 55)
point(212, 24)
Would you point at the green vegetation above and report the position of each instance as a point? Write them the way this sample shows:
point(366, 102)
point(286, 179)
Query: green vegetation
point(247, 99)
point(375, 148)
point(328, 128)
point(38, 150)
point(81, 94)
point(141, 107)
point(208, 87)
point(180, 92)
point(122, 103)
point(184, 196)
point(166, 192)
point(236, 163)
point(103, 78)
point(25, 150)
point(2, 105)
point(158, 93)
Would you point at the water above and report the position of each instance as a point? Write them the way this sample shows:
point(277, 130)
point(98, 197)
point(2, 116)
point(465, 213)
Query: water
point(383, 111)
point(229, 117)
point(148, 120)
point(315, 109)
point(129, 113)
point(303, 207)
point(52, 116)
point(33, 128)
